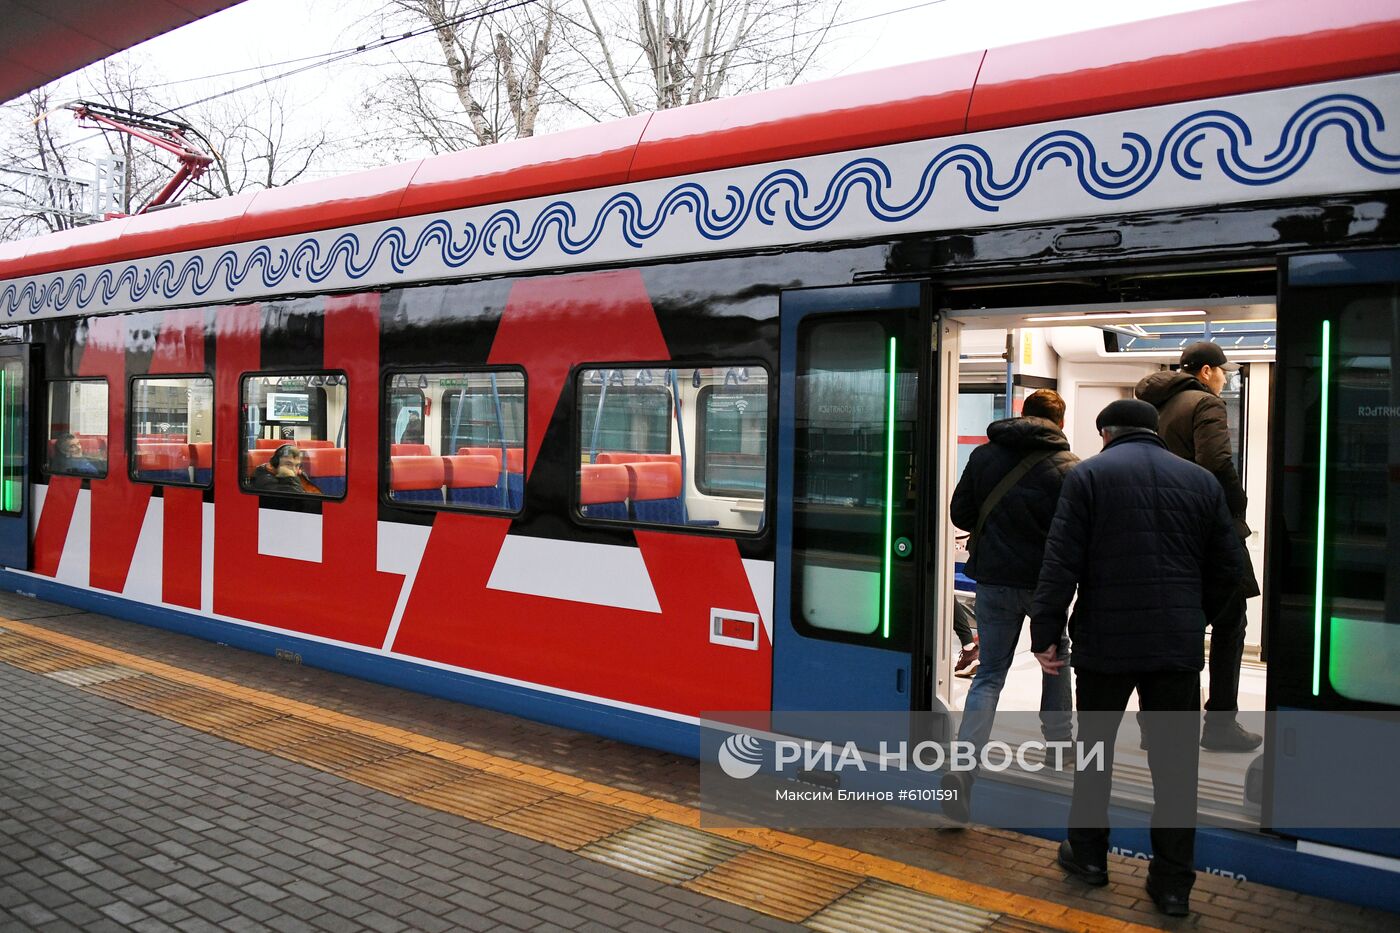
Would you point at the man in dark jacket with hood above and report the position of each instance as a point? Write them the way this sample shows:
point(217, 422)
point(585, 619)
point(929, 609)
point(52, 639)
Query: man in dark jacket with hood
point(1032, 454)
point(1192, 423)
point(1147, 540)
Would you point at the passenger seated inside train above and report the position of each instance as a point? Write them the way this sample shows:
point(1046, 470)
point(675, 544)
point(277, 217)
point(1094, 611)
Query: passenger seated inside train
point(67, 456)
point(282, 473)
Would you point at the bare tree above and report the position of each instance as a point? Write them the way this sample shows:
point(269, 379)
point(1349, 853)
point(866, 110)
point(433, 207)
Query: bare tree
point(39, 192)
point(255, 144)
point(254, 137)
point(121, 82)
point(483, 83)
point(250, 136)
point(656, 55)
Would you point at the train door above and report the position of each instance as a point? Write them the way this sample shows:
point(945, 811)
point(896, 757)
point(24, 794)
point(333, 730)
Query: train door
point(14, 460)
point(854, 433)
point(1334, 590)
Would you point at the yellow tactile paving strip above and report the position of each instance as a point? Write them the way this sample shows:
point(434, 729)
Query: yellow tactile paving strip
point(572, 813)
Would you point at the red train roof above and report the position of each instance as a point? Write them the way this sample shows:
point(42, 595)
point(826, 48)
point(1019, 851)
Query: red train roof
point(1236, 49)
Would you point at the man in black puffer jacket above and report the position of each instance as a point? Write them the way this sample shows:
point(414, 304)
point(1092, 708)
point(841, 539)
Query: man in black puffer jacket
point(1005, 558)
point(1192, 423)
point(1147, 540)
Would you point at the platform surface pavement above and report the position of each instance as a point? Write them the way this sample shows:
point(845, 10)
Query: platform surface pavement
point(154, 781)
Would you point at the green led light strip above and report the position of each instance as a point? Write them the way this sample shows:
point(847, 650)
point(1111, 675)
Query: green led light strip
point(4, 446)
point(889, 490)
point(1321, 506)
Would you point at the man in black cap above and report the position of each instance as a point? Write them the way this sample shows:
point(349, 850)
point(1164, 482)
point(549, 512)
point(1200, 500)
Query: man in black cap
point(1193, 426)
point(1147, 540)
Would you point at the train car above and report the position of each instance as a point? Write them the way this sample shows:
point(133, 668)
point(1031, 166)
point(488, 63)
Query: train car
point(618, 426)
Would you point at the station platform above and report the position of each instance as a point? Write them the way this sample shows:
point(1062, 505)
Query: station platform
point(152, 781)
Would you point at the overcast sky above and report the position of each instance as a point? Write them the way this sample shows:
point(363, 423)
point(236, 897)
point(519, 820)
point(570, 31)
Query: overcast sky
point(869, 34)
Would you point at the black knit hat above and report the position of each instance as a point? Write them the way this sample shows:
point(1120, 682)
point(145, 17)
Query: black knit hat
point(1127, 413)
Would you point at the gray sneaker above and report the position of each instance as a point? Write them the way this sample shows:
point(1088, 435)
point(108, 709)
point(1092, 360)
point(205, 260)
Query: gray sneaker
point(1229, 736)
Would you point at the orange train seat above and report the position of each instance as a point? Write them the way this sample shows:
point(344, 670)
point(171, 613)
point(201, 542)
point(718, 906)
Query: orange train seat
point(202, 459)
point(475, 479)
point(622, 456)
point(514, 483)
point(162, 463)
point(325, 466)
point(515, 456)
point(417, 478)
point(603, 491)
point(272, 443)
point(257, 458)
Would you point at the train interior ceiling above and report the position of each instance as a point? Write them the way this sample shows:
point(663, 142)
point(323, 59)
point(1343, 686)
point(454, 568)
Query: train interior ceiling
point(1092, 355)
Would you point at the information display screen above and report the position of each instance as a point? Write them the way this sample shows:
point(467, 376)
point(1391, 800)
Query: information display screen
point(288, 406)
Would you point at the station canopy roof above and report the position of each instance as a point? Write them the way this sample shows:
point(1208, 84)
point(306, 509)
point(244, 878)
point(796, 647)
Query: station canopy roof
point(43, 40)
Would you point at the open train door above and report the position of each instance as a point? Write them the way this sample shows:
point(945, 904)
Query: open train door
point(14, 460)
point(1333, 600)
point(851, 628)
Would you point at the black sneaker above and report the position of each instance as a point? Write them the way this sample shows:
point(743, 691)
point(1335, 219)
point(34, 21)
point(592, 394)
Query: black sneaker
point(1173, 905)
point(1088, 872)
point(1229, 736)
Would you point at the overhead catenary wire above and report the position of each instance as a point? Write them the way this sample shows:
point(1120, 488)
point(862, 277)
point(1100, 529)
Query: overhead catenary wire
point(487, 9)
point(383, 42)
point(564, 90)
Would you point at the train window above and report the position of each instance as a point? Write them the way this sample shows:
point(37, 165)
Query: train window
point(77, 431)
point(626, 410)
point(485, 413)
point(457, 439)
point(12, 436)
point(292, 436)
point(978, 406)
point(853, 479)
point(678, 447)
point(1343, 617)
point(732, 442)
point(172, 427)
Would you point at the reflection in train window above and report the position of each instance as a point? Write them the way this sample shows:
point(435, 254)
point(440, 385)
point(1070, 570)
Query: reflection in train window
point(172, 426)
point(1342, 619)
point(978, 406)
point(457, 439)
point(853, 476)
point(1364, 627)
point(77, 432)
point(293, 434)
point(678, 447)
point(1236, 398)
point(626, 410)
point(733, 438)
point(485, 413)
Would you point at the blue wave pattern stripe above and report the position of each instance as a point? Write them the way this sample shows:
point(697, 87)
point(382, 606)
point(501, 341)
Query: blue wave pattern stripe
point(783, 195)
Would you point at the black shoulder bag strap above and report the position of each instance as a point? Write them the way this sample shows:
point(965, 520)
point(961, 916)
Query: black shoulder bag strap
point(994, 498)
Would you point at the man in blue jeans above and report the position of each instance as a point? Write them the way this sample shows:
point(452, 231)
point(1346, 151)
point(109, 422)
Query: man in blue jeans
point(1006, 498)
